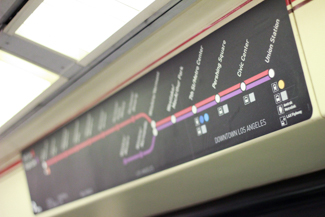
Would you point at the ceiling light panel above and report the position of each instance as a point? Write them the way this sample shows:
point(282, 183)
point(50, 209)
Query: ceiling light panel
point(20, 83)
point(76, 27)
point(138, 5)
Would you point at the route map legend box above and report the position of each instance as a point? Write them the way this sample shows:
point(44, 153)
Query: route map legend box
point(252, 97)
point(275, 87)
point(284, 95)
point(249, 98)
point(222, 110)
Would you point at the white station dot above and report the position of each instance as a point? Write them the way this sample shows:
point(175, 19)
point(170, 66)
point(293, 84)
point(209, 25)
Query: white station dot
point(173, 119)
point(217, 98)
point(243, 86)
point(44, 165)
point(155, 132)
point(194, 109)
point(271, 73)
point(153, 124)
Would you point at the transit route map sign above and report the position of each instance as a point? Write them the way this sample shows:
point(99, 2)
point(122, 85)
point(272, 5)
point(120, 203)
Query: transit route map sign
point(241, 82)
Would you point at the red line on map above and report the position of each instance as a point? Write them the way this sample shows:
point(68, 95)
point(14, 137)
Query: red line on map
point(94, 139)
point(161, 122)
point(230, 89)
point(203, 102)
point(132, 119)
point(256, 77)
point(143, 115)
point(124, 123)
point(182, 112)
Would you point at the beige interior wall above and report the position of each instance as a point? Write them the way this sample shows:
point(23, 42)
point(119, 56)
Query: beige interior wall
point(310, 20)
point(14, 194)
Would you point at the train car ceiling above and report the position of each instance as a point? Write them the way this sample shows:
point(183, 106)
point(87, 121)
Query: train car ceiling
point(21, 83)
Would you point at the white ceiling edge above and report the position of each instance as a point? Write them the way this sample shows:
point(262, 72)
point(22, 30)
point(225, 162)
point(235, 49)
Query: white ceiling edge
point(7, 8)
point(68, 67)
point(31, 5)
point(39, 99)
point(185, 25)
point(21, 16)
point(136, 21)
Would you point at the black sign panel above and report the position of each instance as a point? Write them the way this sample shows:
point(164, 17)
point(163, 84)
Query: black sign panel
point(243, 81)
